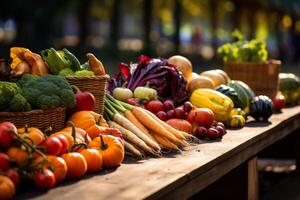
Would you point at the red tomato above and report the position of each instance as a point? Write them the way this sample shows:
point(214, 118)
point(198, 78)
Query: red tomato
point(6, 134)
point(64, 142)
point(4, 162)
point(155, 106)
point(53, 146)
point(44, 180)
point(279, 102)
point(14, 176)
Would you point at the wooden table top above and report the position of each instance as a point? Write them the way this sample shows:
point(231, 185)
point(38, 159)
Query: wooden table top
point(180, 175)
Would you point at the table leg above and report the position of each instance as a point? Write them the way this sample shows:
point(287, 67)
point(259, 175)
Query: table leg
point(253, 179)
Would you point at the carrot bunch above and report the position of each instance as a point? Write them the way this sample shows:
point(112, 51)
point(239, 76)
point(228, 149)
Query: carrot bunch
point(142, 131)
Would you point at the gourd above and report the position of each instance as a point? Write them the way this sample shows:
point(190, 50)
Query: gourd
point(231, 93)
point(236, 121)
point(261, 108)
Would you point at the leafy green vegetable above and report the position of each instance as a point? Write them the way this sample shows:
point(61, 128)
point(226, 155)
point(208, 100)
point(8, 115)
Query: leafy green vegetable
point(66, 72)
point(84, 73)
point(244, 50)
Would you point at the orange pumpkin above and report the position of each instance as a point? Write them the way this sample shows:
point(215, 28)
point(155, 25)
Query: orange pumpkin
point(111, 149)
point(81, 135)
point(18, 155)
point(89, 121)
point(76, 164)
point(32, 134)
point(7, 188)
point(93, 159)
point(57, 165)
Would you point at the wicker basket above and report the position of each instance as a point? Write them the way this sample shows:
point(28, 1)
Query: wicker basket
point(94, 84)
point(41, 119)
point(261, 77)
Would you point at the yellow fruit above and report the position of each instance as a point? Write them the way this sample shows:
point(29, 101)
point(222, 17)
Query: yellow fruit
point(182, 64)
point(216, 77)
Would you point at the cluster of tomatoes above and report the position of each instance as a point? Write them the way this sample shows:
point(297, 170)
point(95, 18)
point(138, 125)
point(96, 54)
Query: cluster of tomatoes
point(28, 153)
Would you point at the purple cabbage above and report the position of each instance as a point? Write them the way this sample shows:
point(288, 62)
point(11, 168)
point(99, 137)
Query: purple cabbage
point(156, 73)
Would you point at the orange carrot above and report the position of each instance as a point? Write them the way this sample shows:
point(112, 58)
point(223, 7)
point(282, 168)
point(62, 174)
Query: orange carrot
point(172, 130)
point(124, 122)
point(164, 142)
point(154, 125)
point(137, 123)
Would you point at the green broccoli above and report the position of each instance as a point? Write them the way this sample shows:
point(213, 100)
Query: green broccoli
point(59, 81)
point(31, 95)
point(49, 92)
point(84, 73)
point(25, 79)
point(66, 72)
point(11, 98)
point(48, 101)
point(18, 104)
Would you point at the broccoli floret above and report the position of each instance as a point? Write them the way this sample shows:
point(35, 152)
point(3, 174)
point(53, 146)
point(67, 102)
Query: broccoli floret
point(9, 89)
point(84, 73)
point(66, 72)
point(68, 95)
point(26, 78)
point(48, 101)
point(49, 92)
point(18, 104)
point(61, 82)
point(31, 94)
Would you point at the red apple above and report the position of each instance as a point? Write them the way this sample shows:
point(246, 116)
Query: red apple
point(212, 133)
point(279, 102)
point(155, 106)
point(162, 115)
point(179, 113)
point(168, 105)
point(200, 132)
point(202, 116)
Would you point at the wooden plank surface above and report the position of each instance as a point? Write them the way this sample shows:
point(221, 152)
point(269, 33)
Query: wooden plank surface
point(182, 175)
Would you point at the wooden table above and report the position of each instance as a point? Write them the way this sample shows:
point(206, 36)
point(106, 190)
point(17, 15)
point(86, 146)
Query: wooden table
point(180, 176)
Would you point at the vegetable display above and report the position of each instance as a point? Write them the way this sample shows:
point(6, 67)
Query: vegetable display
point(158, 73)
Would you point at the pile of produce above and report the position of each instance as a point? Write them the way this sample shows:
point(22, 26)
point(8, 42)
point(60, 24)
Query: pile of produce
point(152, 107)
point(157, 74)
point(29, 155)
point(56, 62)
